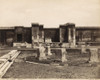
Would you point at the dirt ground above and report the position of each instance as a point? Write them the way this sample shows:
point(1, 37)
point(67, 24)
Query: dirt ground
point(3, 52)
point(77, 68)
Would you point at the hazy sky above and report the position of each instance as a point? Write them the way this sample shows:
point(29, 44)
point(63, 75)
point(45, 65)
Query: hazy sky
point(51, 13)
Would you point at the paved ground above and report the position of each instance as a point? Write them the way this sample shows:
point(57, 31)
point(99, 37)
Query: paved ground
point(78, 68)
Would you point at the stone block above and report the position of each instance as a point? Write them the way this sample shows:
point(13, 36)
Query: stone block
point(65, 45)
point(48, 40)
point(94, 57)
point(64, 59)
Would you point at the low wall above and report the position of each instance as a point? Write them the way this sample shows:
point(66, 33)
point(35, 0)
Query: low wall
point(22, 45)
point(57, 45)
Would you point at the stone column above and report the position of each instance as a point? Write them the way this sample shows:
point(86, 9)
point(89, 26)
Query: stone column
point(0, 38)
point(69, 36)
point(35, 35)
point(94, 57)
point(74, 37)
point(64, 59)
point(60, 34)
point(42, 55)
point(62, 31)
point(41, 33)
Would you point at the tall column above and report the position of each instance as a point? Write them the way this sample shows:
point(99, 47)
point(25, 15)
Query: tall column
point(74, 37)
point(0, 38)
point(69, 35)
point(35, 35)
point(60, 34)
point(41, 33)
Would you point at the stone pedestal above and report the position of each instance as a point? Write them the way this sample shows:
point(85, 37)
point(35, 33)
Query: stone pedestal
point(94, 57)
point(63, 59)
point(42, 55)
point(83, 49)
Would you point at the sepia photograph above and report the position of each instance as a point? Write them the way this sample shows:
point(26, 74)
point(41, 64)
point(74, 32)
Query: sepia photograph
point(49, 39)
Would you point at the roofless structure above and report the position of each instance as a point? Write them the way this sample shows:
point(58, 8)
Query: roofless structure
point(67, 35)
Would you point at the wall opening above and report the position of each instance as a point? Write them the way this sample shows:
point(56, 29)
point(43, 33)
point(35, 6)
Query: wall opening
point(19, 37)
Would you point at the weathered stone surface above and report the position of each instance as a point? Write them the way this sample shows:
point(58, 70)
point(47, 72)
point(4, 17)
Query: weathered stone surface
point(36, 45)
point(65, 45)
point(83, 49)
point(35, 34)
point(49, 51)
point(56, 54)
point(71, 35)
point(64, 59)
point(28, 45)
point(94, 57)
point(48, 40)
point(41, 33)
point(62, 33)
point(42, 55)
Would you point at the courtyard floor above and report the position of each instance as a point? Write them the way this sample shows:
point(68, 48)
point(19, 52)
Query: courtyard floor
point(78, 68)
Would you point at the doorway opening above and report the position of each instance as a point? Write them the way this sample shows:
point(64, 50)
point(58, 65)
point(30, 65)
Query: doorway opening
point(19, 37)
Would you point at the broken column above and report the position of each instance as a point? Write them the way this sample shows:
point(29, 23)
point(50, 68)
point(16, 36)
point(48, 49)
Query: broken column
point(94, 57)
point(42, 55)
point(63, 59)
point(69, 37)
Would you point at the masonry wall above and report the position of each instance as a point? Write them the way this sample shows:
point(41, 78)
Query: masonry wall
point(27, 35)
point(23, 33)
point(52, 34)
point(6, 37)
point(88, 35)
point(40, 34)
point(63, 36)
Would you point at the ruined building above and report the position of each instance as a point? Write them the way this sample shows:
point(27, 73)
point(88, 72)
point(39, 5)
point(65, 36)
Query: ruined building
point(67, 35)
